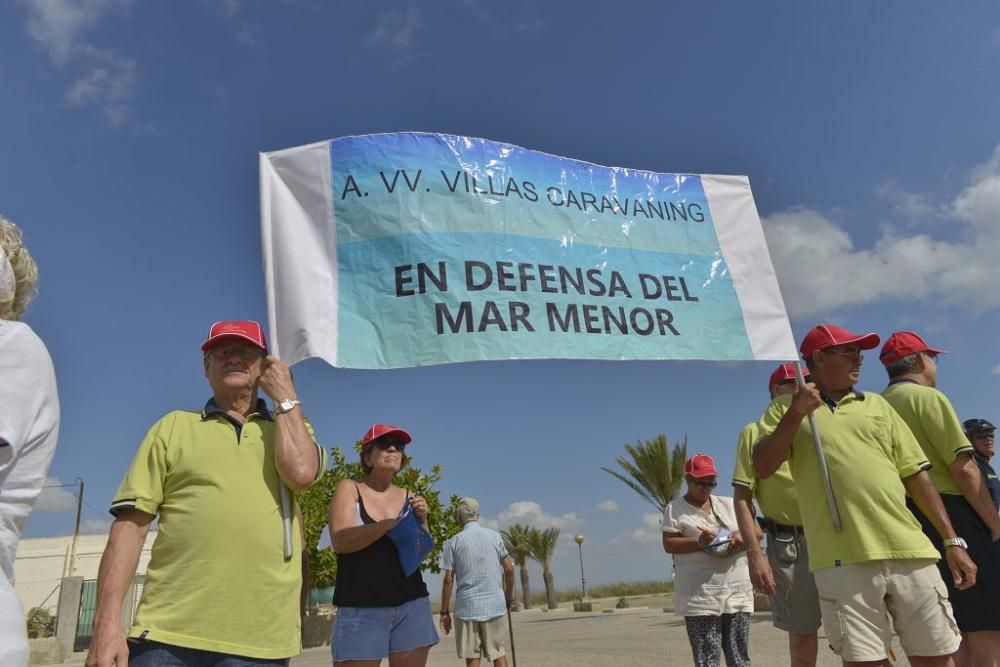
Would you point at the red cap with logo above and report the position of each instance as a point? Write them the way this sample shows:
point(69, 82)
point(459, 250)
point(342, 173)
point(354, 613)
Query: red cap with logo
point(784, 373)
point(700, 465)
point(247, 330)
point(903, 344)
point(823, 336)
point(381, 430)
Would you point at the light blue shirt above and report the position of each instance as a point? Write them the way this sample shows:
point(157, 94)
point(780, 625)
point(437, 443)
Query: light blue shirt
point(475, 556)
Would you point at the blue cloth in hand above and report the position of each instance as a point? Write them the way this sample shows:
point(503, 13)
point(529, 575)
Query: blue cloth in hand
point(412, 541)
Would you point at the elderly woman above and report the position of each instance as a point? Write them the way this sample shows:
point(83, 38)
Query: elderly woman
point(381, 611)
point(712, 588)
point(29, 425)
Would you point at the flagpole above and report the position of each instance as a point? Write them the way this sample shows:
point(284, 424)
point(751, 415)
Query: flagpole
point(821, 457)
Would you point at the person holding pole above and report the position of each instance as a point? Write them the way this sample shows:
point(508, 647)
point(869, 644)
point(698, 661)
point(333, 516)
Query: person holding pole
point(225, 573)
point(476, 564)
point(912, 368)
point(29, 427)
point(783, 572)
point(877, 574)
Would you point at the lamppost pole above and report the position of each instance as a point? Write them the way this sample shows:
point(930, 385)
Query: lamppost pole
point(583, 580)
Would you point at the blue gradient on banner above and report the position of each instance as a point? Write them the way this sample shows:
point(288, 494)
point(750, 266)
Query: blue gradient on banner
point(379, 329)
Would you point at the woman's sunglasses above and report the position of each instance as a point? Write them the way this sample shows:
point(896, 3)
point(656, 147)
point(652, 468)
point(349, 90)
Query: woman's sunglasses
point(386, 444)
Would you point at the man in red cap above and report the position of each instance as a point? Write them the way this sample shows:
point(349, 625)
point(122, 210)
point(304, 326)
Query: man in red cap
point(912, 368)
point(225, 574)
point(876, 575)
point(783, 573)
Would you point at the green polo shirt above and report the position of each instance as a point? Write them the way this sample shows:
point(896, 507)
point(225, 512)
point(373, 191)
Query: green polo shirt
point(934, 423)
point(776, 494)
point(217, 578)
point(869, 451)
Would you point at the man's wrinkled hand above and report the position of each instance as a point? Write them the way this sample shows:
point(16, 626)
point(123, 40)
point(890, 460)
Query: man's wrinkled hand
point(805, 399)
point(446, 623)
point(108, 648)
point(963, 570)
point(760, 573)
point(276, 379)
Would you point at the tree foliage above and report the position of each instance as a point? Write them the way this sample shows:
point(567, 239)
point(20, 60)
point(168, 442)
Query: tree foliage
point(516, 538)
point(653, 471)
point(542, 546)
point(315, 505)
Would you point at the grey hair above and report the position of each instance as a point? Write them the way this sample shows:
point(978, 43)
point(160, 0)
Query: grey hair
point(907, 364)
point(25, 271)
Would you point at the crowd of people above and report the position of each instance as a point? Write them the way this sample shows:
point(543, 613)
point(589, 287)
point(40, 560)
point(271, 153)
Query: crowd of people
point(888, 528)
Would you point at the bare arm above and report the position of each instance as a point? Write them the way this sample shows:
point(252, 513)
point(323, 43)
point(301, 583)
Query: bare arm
point(773, 450)
point(345, 536)
point(446, 584)
point(970, 480)
point(121, 557)
point(295, 452)
point(678, 544)
point(928, 500)
point(760, 570)
point(508, 581)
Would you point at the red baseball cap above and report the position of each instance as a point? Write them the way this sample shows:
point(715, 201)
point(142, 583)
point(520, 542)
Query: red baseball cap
point(381, 430)
point(822, 336)
point(903, 344)
point(785, 372)
point(247, 330)
point(700, 465)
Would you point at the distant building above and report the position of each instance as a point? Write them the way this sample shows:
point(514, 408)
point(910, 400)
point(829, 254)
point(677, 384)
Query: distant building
point(42, 562)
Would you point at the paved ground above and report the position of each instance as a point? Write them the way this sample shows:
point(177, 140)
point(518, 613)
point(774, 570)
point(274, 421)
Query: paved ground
point(632, 638)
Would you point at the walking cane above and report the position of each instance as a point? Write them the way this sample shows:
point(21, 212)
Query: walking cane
point(821, 457)
point(513, 652)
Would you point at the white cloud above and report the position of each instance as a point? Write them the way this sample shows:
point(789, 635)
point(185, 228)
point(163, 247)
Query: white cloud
point(820, 269)
point(911, 205)
point(607, 506)
point(101, 78)
point(395, 28)
point(651, 530)
point(55, 497)
point(529, 512)
point(996, 370)
point(95, 526)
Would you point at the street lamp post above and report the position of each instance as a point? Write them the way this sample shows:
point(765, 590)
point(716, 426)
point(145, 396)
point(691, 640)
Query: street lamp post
point(583, 581)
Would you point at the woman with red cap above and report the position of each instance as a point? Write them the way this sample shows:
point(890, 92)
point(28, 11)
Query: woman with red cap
point(382, 612)
point(712, 588)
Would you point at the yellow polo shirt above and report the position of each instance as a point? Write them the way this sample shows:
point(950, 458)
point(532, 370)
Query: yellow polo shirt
point(935, 425)
point(217, 578)
point(776, 494)
point(869, 451)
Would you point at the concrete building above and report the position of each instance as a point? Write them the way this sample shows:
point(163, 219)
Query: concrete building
point(41, 563)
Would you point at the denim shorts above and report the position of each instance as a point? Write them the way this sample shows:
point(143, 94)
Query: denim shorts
point(372, 633)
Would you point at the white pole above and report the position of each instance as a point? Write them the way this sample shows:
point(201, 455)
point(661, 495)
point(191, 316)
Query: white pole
point(821, 457)
point(286, 519)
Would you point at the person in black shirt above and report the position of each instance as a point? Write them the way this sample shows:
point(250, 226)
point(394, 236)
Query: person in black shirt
point(980, 433)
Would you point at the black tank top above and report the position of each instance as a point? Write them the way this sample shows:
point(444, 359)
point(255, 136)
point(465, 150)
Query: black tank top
point(373, 577)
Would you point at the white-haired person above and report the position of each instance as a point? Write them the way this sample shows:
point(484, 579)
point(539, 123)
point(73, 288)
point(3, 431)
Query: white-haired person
point(712, 588)
point(29, 426)
point(383, 606)
point(477, 565)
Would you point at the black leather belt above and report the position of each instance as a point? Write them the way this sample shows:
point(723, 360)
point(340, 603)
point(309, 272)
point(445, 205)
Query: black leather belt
point(774, 528)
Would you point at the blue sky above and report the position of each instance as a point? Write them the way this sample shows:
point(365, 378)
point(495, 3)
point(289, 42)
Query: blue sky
point(130, 134)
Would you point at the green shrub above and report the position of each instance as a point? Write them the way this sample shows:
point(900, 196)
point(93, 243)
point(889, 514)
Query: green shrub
point(41, 623)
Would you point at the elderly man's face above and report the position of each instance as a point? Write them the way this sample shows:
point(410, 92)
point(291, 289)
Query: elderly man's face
point(839, 367)
point(233, 365)
point(984, 443)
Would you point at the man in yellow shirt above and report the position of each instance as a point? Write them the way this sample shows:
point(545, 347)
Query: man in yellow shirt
point(222, 585)
point(783, 573)
point(876, 575)
point(912, 368)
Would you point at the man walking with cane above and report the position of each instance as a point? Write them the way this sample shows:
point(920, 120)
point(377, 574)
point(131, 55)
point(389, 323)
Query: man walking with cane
point(476, 563)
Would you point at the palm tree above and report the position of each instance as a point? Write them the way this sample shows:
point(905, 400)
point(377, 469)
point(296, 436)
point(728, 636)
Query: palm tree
point(515, 537)
point(543, 545)
point(654, 472)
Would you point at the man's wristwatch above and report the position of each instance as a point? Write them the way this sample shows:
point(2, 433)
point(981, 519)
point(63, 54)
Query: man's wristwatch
point(286, 405)
point(955, 542)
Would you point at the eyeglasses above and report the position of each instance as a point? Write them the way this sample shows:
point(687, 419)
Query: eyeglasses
point(383, 445)
point(704, 485)
point(245, 352)
point(850, 353)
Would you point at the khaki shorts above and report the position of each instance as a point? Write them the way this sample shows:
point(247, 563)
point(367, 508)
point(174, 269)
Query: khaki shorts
point(795, 603)
point(481, 639)
point(863, 603)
